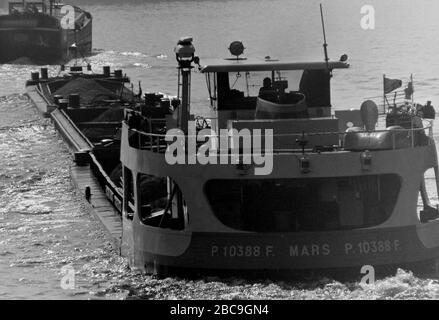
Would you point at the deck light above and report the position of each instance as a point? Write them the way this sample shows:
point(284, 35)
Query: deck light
point(366, 160)
point(305, 165)
point(236, 48)
point(185, 55)
point(344, 58)
point(184, 51)
point(304, 161)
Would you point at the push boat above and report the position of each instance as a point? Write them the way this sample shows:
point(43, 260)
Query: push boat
point(42, 32)
point(343, 191)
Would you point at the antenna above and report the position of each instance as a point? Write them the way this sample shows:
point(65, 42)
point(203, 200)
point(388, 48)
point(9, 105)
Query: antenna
point(325, 45)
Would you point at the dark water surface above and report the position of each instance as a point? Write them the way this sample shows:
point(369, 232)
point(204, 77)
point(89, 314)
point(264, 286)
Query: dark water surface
point(44, 224)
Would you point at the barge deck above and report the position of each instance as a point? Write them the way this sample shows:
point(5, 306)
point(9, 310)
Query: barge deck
point(89, 173)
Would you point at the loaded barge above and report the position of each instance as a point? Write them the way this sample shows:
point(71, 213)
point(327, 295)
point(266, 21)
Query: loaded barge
point(87, 109)
point(342, 190)
point(46, 32)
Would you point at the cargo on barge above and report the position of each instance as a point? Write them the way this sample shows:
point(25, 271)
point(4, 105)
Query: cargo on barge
point(87, 109)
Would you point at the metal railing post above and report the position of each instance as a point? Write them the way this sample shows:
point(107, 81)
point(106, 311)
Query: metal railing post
point(393, 140)
point(413, 138)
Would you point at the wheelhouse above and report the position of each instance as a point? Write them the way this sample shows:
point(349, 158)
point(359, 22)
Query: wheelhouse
point(235, 85)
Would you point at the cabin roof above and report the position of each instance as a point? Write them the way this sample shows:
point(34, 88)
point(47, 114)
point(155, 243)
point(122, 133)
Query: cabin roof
point(234, 65)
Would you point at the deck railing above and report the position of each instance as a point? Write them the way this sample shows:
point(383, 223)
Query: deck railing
point(157, 143)
point(112, 192)
point(390, 101)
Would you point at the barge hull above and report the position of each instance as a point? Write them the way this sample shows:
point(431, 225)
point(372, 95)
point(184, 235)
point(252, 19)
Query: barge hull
point(40, 44)
point(84, 176)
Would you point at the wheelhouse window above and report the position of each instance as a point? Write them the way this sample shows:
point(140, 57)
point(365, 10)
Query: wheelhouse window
point(251, 83)
point(161, 203)
point(152, 193)
point(428, 208)
point(240, 90)
point(212, 88)
point(129, 199)
point(34, 7)
point(304, 205)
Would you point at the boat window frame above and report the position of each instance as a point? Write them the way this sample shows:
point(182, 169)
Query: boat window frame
point(212, 81)
point(370, 218)
point(129, 199)
point(23, 7)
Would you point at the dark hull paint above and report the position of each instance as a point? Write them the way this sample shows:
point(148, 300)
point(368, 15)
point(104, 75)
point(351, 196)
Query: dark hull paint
point(44, 45)
point(39, 45)
point(428, 267)
point(335, 253)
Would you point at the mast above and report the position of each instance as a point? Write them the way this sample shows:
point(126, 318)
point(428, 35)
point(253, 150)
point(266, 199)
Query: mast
point(413, 89)
point(184, 52)
point(185, 55)
point(325, 44)
point(384, 93)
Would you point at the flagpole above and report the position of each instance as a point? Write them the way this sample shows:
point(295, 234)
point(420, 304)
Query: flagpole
point(413, 89)
point(413, 106)
point(384, 92)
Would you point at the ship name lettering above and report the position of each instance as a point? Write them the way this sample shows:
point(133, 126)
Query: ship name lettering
point(311, 250)
point(371, 247)
point(239, 251)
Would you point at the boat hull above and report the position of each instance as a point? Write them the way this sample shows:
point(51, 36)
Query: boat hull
point(42, 44)
point(416, 247)
point(212, 243)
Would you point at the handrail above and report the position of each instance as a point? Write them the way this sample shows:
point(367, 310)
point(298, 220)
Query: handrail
point(105, 182)
point(40, 92)
point(429, 126)
point(157, 143)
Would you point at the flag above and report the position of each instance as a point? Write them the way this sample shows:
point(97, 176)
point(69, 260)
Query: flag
point(391, 84)
point(409, 91)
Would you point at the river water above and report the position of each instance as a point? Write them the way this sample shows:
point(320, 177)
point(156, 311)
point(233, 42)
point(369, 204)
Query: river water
point(44, 224)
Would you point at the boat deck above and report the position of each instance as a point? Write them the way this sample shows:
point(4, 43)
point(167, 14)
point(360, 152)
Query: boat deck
point(76, 140)
point(39, 101)
point(99, 205)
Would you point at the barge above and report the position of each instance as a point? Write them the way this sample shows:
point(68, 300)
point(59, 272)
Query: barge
point(87, 109)
point(46, 32)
